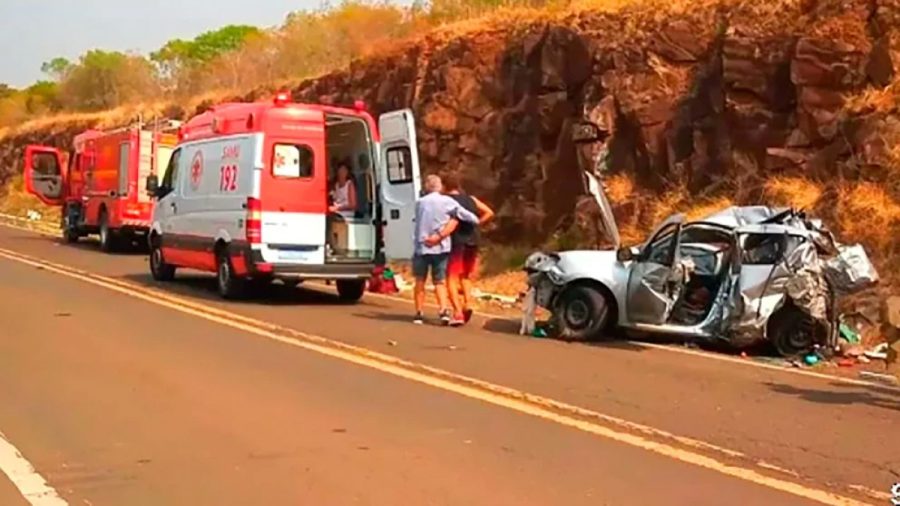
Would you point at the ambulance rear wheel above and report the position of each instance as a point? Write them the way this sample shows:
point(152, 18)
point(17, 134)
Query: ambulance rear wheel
point(230, 285)
point(350, 290)
point(160, 270)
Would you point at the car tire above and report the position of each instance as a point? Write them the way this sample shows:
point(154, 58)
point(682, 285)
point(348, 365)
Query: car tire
point(794, 333)
point(71, 235)
point(229, 284)
point(108, 241)
point(159, 269)
point(350, 291)
point(582, 313)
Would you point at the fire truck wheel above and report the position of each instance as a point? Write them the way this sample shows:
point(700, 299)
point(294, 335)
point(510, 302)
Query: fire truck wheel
point(230, 286)
point(160, 270)
point(350, 290)
point(71, 235)
point(108, 239)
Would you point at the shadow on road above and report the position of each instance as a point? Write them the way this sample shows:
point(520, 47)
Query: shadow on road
point(203, 287)
point(92, 245)
point(882, 398)
point(631, 343)
point(502, 325)
point(392, 317)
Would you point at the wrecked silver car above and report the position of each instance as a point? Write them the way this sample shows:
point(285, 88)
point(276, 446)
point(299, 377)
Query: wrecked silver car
point(738, 277)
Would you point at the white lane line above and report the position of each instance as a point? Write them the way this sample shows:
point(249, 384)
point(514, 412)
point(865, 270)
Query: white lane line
point(31, 485)
point(497, 395)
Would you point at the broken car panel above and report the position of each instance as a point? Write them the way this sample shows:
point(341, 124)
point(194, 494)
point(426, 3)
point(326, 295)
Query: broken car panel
point(740, 276)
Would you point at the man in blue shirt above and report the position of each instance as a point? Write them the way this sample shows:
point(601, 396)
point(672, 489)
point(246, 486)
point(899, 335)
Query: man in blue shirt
point(437, 216)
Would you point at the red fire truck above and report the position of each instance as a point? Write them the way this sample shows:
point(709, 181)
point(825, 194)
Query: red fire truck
point(103, 189)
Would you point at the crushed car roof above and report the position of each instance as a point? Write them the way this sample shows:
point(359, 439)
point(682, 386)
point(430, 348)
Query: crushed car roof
point(739, 216)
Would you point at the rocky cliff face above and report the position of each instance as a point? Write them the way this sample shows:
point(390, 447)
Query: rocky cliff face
point(713, 102)
point(704, 106)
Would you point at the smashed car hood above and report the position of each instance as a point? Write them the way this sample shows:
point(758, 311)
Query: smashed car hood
point(595, 188)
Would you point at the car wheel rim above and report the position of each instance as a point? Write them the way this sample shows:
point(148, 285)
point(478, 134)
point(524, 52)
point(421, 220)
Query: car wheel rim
point(802, 337)
point(577, 313)
point(155, 260)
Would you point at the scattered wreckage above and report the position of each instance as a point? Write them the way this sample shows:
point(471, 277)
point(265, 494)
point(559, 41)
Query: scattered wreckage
point(739, 277)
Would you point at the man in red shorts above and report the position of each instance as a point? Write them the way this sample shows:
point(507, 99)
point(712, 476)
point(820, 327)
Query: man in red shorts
point(463, 263)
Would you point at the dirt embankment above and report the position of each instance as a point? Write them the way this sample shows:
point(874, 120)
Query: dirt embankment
point(708, 104)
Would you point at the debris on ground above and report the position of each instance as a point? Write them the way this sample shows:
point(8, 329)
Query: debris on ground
point(877, 353)
point(505, 300)
point(852, 351)
point(529, 306)
point(383, 280)
point(848, 334)
point(538, 332)
point(879, 377)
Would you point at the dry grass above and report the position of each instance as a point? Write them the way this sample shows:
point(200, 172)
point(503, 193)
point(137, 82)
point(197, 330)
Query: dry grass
point(793, 192)
point(867, 214)
point(14, 200)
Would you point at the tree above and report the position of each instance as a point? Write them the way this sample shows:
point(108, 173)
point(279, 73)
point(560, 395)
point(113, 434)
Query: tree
point(313, 42)
point(181, 62)
point(6, 91)
point(107, 79)
point(56, 68)
point(42, 97)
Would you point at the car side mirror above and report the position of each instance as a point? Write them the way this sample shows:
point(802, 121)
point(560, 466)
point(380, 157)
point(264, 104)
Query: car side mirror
point(152, 185)
point(626, 254)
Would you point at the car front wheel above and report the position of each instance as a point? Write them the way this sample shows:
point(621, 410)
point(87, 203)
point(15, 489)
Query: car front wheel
point(794, 333)
point(160, 270)
point(582, 313)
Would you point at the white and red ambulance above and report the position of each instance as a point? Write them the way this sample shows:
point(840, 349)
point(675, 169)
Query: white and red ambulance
point(246, 195)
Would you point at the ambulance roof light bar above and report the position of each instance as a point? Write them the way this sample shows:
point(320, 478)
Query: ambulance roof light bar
point(282, 98)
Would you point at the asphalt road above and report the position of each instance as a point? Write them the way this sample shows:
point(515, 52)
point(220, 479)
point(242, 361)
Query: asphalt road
point(116, 400)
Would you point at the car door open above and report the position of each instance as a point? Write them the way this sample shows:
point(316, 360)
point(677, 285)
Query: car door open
point(400, 182)
point(44, 176)
point(654, 283)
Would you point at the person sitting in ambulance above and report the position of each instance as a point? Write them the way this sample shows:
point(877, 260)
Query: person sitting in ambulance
point(344, 191)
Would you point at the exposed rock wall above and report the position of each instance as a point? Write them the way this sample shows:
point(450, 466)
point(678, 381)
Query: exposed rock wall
point(711, 101)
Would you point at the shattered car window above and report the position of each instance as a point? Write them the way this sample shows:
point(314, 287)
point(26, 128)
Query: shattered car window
point(706, 259)
point(661, 249)
point(766, 249)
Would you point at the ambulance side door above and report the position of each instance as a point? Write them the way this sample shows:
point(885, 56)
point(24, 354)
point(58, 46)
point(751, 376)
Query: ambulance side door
point(400, 182)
